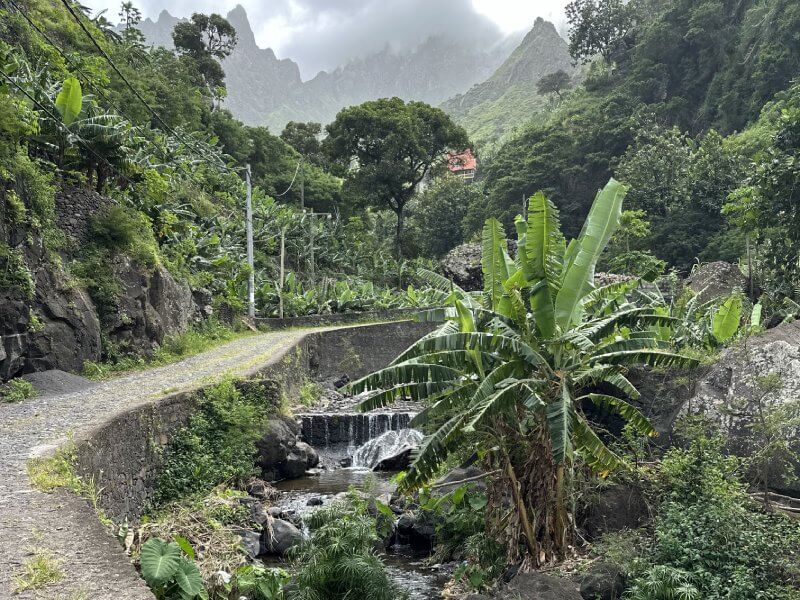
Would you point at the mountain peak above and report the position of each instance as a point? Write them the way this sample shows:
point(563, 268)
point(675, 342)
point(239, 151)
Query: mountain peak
point(244, 32)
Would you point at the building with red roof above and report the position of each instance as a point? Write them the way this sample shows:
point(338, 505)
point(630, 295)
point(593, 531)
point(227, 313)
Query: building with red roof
point(463, 164)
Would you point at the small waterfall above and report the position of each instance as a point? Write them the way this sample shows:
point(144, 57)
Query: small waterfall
point(349, 429)
point(386, 445)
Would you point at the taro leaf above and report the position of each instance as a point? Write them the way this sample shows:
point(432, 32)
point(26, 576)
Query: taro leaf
point(159, 561)
point(186, 546)
point(188, 579)
point(69, 100)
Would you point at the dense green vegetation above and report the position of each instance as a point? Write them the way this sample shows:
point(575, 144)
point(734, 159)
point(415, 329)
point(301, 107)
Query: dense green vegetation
point(689, 104)
point(87, 107)
point(510, 368)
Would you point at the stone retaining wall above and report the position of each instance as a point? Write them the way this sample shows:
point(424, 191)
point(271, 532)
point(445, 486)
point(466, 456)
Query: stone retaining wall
point(124, 455)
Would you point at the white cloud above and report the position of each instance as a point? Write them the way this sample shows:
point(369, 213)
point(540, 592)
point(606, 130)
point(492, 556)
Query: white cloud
point(322, 34)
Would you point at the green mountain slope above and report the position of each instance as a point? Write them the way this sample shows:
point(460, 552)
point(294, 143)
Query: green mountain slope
point(509, 98)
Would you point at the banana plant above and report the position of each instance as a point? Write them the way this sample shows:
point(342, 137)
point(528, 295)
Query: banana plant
point(510, 371)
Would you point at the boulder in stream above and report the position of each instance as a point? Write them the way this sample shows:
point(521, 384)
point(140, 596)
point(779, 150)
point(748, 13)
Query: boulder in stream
point(280, 454)
point(278, 537)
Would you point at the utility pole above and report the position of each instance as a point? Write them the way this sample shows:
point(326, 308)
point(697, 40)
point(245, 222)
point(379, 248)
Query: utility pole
point(282, 273)
point(302, 184)
point(313, 275)
point(251, 282)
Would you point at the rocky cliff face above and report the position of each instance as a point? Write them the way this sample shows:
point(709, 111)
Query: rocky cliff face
point(263, 90)
point(49, 322)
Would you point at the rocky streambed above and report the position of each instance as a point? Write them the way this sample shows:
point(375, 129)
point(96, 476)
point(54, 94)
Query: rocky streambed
point(316, 457)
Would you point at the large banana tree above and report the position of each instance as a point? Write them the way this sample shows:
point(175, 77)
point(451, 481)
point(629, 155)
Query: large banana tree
point(511, 370)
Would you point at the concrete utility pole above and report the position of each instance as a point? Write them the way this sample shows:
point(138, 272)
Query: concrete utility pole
point(251, 281)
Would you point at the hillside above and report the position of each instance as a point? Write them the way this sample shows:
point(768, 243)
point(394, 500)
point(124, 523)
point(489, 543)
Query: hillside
point(509, 98)
point(263, 90)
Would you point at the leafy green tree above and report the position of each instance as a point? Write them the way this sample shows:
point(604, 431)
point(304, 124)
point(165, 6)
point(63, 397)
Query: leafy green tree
point(305, 138)
point(386, 147)
point(554, 83)
point(438, 212)
point(206, 39)
point(508, 373)
point(681, 185)
point(598, 27)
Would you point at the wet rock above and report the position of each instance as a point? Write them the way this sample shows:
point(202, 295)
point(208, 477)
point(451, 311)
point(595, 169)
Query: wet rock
point(396, 462)
point(258, 513)
point(275, 512)
point(251, 543)
point(716, 280)
point(604, 581)
point(278, 537)
point(316, 501)
point(539, 586)
point(280, 454)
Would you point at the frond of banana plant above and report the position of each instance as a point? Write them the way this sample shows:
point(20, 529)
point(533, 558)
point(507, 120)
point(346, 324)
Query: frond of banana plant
point(630, 413)
point(494, 262)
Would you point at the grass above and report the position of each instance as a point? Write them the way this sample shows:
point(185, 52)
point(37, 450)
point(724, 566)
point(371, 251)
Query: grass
point(310, 394)
point(58, 471)
point(174, 348)
point(41, 569)
point(17, 390)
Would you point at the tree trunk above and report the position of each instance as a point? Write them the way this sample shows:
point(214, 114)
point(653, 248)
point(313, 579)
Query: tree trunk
point(399, 232)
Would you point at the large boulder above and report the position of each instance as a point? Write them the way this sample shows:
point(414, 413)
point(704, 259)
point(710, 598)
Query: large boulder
point(280, 454)
point(152, 306)
point(278, 537)
point(762, 374)
point(716, 280)
point(603, 581)
point(55, 329)
point(539, 586)
point(463, 265)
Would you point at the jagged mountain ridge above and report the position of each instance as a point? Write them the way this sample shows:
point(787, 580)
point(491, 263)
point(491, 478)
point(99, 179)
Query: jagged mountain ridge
point(509, 97)
point(264, 90)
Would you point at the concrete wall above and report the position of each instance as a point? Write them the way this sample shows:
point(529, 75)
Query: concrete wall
point(124, 455)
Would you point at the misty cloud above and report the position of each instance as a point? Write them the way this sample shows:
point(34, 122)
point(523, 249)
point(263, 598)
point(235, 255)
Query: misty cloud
point(324, 34)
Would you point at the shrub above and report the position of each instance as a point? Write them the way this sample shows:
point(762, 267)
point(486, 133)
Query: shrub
point(14, 272)
point(17, 390)
point(218, 444)
point(709, 535)
point(126, 231)
point(338, 560)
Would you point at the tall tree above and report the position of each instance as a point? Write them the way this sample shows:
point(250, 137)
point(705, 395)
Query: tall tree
point(597, 27)
point(554, 83)
point(386, 147)
point(206, 39)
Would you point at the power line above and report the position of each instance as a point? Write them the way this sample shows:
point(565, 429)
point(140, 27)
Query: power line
point(297, 169)
point(136, 93)
point(63, 127)
point(64, 55)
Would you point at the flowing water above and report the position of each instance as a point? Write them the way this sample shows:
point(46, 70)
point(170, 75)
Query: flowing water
point(380, 437)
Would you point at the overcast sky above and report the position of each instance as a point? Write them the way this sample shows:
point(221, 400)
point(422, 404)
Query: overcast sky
point(322, 34)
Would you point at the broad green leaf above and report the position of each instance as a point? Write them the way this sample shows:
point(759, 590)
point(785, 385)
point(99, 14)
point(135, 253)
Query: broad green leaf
point(159, 561)
point(69, 100)
point(630, 413)
point(493, 262)
point(600, 225)
point(560, 418)
point(477, 501)
point(186, 546)
point(755, 315)
point(188, 579)
point(725, 322)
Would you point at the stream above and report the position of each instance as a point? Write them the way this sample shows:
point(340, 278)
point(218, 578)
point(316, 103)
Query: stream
point(378, 437)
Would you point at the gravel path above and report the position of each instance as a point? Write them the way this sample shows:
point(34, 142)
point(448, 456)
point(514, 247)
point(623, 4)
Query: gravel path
point(93, 563)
